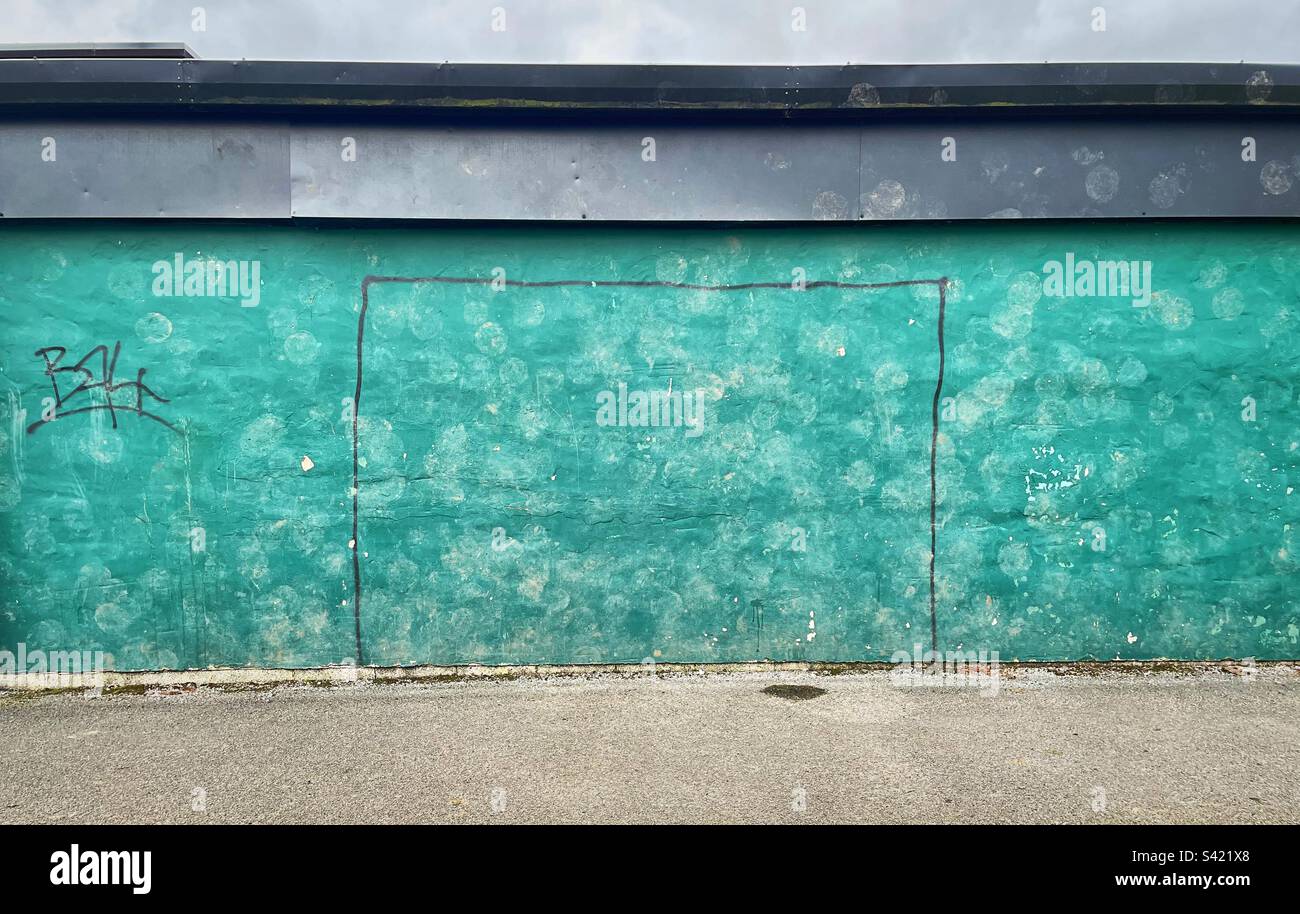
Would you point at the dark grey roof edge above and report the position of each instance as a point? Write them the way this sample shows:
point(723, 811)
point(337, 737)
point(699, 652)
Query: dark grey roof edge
point(173, 50)
point(78, 85)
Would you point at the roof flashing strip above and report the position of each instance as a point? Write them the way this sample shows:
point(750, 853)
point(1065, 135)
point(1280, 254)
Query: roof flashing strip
point(154, 81)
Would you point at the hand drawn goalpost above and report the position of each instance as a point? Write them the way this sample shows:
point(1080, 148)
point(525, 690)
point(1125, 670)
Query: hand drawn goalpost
point(941, 283)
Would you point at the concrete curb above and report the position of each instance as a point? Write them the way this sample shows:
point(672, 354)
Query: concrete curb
point(254, 677)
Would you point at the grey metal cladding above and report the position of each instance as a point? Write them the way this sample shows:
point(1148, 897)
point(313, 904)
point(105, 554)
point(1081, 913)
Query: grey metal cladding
point(1089, 168)
point(603, 173)
point(93, 169)
point(895, 171)
point(1113, 167)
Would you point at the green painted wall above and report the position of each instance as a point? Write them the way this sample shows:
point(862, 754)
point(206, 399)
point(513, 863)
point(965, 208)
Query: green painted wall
point(1110, 481)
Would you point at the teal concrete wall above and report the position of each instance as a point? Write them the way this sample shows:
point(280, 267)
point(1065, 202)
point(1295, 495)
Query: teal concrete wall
point(1103, 479)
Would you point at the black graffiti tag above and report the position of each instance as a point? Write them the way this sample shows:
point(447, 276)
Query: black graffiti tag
point(87, 381)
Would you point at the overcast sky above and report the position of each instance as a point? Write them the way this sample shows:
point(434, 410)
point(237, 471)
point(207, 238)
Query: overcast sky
point(680, 31)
